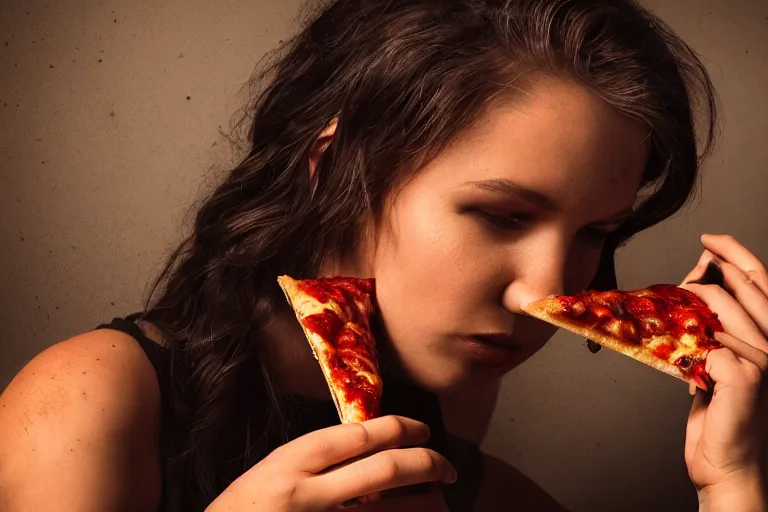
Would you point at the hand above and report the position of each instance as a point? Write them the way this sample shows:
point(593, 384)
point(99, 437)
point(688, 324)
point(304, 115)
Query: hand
point(725, 440)
point(322, 470)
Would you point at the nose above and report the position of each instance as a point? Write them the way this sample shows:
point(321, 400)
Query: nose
point(539, 272)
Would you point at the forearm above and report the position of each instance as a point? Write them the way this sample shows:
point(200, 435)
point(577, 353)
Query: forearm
point(746, 494)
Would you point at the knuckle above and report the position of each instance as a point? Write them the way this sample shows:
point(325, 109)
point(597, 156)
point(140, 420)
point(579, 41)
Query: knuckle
point(320, 446)
point(762, 364)
point(389, 468)
point(399, 428)
point(428, 461)
point(288, 490)
point(358, 435)
point(756, 275)
point(280, 487)
point(753, 374)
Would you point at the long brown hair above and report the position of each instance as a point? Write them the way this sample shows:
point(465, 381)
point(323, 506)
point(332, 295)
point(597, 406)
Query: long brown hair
point(403, 77)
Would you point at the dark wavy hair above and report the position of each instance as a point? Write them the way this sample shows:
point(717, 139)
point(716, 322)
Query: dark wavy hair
point(402, 77)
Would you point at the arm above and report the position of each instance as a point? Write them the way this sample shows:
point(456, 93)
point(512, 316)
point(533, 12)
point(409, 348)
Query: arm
point(80, 427)
point(743, 493)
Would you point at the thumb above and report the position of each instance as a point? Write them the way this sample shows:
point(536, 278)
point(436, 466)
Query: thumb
point(696, 418)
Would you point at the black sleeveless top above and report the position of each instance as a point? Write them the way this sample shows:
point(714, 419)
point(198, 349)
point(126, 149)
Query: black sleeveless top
point(399, 398)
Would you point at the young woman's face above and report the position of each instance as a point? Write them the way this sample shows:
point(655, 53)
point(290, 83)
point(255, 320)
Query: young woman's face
point(513, 210)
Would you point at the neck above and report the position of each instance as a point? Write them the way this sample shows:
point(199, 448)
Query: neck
point(290, 356)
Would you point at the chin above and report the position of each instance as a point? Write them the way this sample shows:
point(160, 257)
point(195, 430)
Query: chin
point(455, 365)
point(446, 377)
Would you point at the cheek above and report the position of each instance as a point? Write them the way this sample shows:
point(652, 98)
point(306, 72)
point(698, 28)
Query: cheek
point(418, 252)
point(428, 266)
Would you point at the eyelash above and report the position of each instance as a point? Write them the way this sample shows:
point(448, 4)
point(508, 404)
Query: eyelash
point(504, 222)
point(511, 223)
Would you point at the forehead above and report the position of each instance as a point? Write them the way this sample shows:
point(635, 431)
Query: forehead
point(560, 139)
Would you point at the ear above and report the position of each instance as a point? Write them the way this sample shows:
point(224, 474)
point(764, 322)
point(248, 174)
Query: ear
point(321, 144)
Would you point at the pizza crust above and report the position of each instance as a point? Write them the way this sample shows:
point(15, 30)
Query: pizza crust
point(302, 309)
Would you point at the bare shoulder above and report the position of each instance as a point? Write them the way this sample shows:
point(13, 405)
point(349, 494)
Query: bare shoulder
point(80, 427)
point(505, 487)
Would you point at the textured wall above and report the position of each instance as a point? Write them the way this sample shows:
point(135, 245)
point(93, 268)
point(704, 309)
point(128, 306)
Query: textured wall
point(110, 128)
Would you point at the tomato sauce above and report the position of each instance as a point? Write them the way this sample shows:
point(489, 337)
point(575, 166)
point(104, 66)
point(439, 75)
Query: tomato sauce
point(667, 309)
point(340, 335)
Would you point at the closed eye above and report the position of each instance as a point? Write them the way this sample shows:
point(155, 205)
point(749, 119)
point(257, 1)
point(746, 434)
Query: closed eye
point(509, 222)
point(592, 235)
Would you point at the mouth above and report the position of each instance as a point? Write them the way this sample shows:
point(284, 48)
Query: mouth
point(505, 340)
point(489, 349)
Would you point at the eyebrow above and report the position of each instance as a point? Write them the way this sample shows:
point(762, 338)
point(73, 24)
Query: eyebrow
point(517, 191)
point(541, 200)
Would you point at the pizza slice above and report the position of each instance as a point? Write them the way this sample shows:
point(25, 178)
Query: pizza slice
point(664, 326)
point(335, 315)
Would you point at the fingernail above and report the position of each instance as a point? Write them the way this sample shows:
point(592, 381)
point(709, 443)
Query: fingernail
point(704, 258)
point(452, 477)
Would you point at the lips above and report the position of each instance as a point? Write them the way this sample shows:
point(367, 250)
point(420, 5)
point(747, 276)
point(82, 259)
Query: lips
point(495, 350)
point(505, 340)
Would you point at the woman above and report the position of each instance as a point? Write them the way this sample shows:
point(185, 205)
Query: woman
point(471, 156)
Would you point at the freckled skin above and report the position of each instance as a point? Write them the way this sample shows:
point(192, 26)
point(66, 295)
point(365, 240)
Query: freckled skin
point(75, 414)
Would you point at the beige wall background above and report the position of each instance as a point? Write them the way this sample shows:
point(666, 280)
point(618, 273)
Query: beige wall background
point(111, 116)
